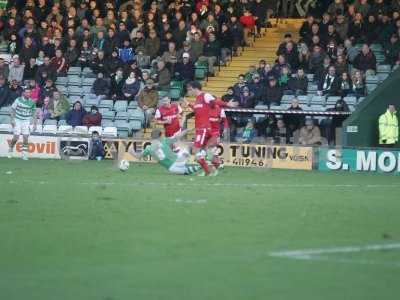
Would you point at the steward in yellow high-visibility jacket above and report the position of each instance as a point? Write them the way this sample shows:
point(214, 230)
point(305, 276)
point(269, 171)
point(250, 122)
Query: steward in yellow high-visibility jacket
point(389, 127)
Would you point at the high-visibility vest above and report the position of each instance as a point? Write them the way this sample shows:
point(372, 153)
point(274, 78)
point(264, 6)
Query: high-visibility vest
point(388, 128)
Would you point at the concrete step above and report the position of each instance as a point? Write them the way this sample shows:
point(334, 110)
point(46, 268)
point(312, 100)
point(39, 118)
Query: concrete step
point(219, 85)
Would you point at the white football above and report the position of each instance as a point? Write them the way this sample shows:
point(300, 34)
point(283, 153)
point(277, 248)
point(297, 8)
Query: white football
point(124, 165)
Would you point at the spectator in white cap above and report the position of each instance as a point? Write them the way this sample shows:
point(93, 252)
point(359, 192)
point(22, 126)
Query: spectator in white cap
point(184, 71)
point(187, 48)
point(16, 70)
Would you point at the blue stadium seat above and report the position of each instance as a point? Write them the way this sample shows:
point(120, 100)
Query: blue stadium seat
point(108, 115)
point(304, 99)
point(120, 106)
point(285, 106)
point(91, 101)
point(123, 128)
point(275, 107)
point(110, 131)
point(317, 107)
point(74, 80)
point(5, 119)
point(372, 79)
point(320, 100)
point(312, 87)
point(332, 100)
point(376, 47)
point(62, 89)
point(103, 110)
point(380, 57)
point(74, 98)
point(106, 104)
point(383, 68)
point(88, 81)
point(86, 90)
point(62, 81)
point(261, 106)
point(74, 91)
point(162, 94)
point(65, 129)
point(107, 123)
point(5, 110)
point(74, 71)
point(138, 115)
point(135, 125)
point(88, 73)
point(287, 98)
point(350, 100)
point(50, 129)
point(122, 115)
point(50, 122)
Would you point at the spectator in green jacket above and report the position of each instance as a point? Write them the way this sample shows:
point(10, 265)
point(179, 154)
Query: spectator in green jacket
point(58, 106)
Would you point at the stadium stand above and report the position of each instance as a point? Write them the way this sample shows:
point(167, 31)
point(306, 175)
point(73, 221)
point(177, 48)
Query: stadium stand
point(130, 45)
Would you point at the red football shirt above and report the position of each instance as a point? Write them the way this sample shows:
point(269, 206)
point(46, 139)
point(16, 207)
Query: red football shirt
point(164, 113)
point(217, 116)
point(201, 109)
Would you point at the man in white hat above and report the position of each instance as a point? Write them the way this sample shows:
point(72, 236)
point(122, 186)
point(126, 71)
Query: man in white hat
point(184, 70)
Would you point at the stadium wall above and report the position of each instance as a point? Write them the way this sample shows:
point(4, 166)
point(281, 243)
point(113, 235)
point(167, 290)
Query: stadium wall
point(361, 128)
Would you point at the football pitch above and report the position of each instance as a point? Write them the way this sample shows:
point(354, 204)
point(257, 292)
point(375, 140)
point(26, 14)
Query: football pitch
point(83, 230)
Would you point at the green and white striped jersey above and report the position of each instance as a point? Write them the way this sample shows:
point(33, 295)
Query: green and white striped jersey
point(24, 108)
point(161, 151)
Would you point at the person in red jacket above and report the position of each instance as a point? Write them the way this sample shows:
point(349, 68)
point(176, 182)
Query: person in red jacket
point(248, 22)
point(202, 7)
point(93, 118)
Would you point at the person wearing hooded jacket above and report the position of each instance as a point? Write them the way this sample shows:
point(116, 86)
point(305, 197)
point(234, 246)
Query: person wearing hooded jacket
point(75, 116)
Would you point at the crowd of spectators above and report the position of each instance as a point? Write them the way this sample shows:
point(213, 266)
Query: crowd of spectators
point(336, 49)
point(133, 48)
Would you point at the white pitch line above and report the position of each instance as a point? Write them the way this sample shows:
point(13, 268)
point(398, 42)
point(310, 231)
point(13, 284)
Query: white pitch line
point(309, 253)
point(349, 260)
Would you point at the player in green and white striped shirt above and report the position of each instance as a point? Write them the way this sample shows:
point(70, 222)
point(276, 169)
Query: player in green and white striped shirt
point(22, 111)
point(161, 150)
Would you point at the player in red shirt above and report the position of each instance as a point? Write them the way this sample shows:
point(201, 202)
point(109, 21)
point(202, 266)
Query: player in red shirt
point(217, 118)
point(202, 124)
point(168, 115)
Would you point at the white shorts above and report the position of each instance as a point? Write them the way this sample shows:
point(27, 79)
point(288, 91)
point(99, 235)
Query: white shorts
point(179, 167)
point(21, 127)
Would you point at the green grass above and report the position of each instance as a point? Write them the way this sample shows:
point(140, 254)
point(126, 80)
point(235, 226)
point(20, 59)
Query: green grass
point(84, 230)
